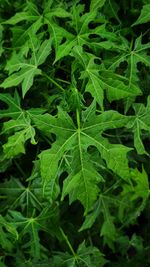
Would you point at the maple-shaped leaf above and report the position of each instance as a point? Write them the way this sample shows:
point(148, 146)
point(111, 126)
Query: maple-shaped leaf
point(139, 123)
point(100, 79)
point(25, 76)
point(90, 256)
point(132, 56)
point(78, 32)
point(15, 194)
point(136, 195)
point(103, 208)
point(18, 129)
point(13, 190)
point(30, 21)
point(58, 33)
point(83, 179)
point(14, 109)
point(26, 226)
point(28, 229)
point(22, 132)
point(27, 69)
point(144, 16)
point(85, 256)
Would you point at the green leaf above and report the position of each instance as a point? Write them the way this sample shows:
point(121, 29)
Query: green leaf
point(83, 185)
point(100, 79)
point(83, 178)
point(43, 52)
point(132, 57)
point(29, 227)
point(25, 75)
point(116, 89)
point(12, 189)
point(18, 17)
point(108, 229)
point(137, 192)
point(74, 134)
point(91, 216)
point(96, 4)
point(29, 69)
point(57, 12)
point(80, 37)
point(140, 123)
point(144, 16)
point(85, 256)
point(90, 256)
point(14, 110)
point(21, 34)
point(16, 142)
point(8, 234)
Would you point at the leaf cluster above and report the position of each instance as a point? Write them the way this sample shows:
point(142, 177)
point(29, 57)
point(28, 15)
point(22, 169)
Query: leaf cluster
point(75, 133)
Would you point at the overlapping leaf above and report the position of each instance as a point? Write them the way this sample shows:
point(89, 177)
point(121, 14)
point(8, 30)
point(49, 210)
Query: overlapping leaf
point(29, 227)
point(27, 69)
point(19, 128)
point(14, 110)
point(132, 56)
point(83, 152)
point(140, 123)
point(139, 193)
point(79, 32)
point(85, 256)
point(100, 79)
point(22, 132)
point(83, 178)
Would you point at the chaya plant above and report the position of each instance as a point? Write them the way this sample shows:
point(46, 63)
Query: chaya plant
point(75, 125)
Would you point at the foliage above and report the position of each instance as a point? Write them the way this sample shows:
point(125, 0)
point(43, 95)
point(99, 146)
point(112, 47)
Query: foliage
point(75, 125)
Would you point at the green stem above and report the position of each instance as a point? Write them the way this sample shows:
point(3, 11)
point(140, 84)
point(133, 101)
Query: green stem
point(53, 81)
point(78, 118)
point(63, 81)
point(68, 242)
point(19, 168)
point(131, 44)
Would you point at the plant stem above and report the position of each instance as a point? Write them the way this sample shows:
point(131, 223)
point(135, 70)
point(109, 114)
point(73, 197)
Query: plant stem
point(19, 168)
point(68, 242)
point(78, 118)
point(53, 81)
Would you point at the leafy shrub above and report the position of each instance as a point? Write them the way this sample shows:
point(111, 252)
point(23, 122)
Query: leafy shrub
point(75, 125)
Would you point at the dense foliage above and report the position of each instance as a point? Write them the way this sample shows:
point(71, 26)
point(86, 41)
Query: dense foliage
point(75, 133)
